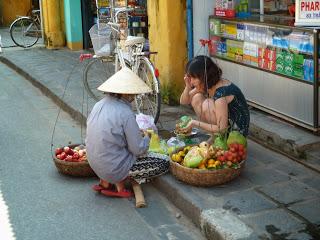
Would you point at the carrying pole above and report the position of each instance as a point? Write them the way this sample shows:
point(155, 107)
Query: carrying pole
point(140, 202)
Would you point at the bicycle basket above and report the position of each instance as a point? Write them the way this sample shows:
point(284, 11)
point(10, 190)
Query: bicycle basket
point(102, 39)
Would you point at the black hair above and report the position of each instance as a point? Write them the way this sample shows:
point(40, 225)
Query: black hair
point(115, 95)
point(205, 69)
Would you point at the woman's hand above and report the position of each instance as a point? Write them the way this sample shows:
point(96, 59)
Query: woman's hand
point(147, 133)
point(187, 81)
point(189, 126)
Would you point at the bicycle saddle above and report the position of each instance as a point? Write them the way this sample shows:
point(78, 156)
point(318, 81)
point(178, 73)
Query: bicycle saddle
point(132, 40)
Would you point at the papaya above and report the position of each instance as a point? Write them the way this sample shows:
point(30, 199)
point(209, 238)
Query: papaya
point(193, 158)
point(236, 137)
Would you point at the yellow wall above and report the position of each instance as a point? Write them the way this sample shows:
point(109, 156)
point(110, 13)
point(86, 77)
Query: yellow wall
point(53, 22)
point(12, 8)
point(168, 36)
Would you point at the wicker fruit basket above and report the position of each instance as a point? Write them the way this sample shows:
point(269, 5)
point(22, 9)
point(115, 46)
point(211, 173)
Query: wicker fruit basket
point(75, 169)
point(203, 177)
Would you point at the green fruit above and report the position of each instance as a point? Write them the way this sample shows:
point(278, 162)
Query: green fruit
point(184, 120)
point(193, 158)
point(236, 137)
point(220, 142)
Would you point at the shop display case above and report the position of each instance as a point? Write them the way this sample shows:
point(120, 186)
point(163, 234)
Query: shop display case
point(273, 62)
point(138, 18)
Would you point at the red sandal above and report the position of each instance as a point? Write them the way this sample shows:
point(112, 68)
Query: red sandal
point(123, 194)
point(99, 188)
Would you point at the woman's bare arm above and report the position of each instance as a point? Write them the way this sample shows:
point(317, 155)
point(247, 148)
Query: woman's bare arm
point(221, 112)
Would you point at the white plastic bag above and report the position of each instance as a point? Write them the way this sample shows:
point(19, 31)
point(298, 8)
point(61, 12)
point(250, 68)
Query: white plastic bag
point(175, 142)
point(146, 122)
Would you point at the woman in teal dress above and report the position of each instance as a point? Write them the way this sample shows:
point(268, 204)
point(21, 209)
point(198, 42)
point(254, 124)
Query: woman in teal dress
point(218, 103)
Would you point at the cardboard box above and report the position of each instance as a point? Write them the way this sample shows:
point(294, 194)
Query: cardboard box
point(261, 52)
point(298, 59)
point(262, 63)
point(280, 57)
point(280, 67)
point(246, 59)
point(288, 57)
point(271, 65)
point(288, 70)
point(271, 54)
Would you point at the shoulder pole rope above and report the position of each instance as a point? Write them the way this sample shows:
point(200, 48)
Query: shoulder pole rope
point(63, 94)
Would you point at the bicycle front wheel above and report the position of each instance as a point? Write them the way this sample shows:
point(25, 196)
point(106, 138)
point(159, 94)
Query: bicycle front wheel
point(24, 32)
point(148, 103)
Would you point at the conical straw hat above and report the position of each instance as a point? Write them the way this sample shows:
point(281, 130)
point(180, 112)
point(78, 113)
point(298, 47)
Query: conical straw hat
point(125, 81)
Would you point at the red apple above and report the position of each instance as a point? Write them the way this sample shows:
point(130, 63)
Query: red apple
point(232, 149)
point(241, 147)
point(69, 151)
point(66, 149)
point(81, 152)
point(75, 155)
point(236, 146)
point(58, 151)
point(69, 158)
point(63, 155)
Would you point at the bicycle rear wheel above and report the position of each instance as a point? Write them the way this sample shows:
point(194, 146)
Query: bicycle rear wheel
point(148, 103)
point(97, 72)
point(24, 32)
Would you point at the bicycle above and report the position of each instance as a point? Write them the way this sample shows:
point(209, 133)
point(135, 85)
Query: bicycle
point(102, 67)
point(26, 31)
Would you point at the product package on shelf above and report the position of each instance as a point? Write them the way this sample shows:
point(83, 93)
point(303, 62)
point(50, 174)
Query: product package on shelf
point(224, 8)
point(308, 70)
point(250, 53)
point(273, 49)
point(215, 26)
point(102, 3)
point(298, 41)
point(215, 41)
point(231, 31)
point(267, 58)
point(240, 31)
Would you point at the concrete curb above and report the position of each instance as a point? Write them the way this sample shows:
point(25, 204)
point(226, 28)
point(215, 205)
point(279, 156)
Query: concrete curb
point(275, 141)
point(217, 224)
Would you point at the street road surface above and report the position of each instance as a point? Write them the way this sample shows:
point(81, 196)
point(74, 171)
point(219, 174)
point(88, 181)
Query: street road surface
point(43, 204)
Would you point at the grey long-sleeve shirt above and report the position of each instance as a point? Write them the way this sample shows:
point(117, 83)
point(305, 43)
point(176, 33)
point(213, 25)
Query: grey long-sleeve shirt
point(113, 139)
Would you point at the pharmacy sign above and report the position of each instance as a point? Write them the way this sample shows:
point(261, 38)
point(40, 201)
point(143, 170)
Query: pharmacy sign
point(307, 13)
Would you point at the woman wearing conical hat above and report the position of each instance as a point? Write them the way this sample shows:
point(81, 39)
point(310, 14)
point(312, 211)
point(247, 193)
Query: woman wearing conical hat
point(114, 143)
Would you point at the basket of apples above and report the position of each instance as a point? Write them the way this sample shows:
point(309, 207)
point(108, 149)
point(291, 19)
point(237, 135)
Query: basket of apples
point(72, 160)
point(208, 165)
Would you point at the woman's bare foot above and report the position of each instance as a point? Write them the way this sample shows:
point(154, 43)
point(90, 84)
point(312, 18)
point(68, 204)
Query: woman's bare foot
point(104, 183)
point(120, 186)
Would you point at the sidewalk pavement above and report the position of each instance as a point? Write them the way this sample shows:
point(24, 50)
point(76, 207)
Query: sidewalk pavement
point(274, 198)
point(8, 43)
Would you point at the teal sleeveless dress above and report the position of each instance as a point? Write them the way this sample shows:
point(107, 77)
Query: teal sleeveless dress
point(239, 115)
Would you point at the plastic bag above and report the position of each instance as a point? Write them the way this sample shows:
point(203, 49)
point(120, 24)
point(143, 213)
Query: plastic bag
point(174, 143)
point(146, 122)
point(156, 145)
